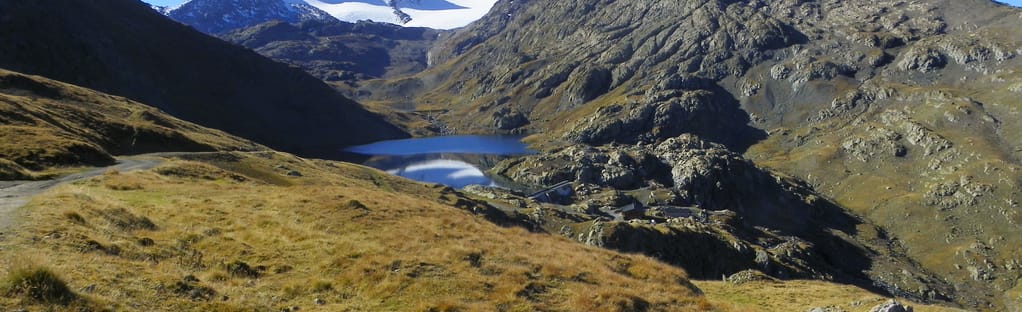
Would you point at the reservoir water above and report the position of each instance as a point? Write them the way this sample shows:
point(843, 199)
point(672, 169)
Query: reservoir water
point(456, 161)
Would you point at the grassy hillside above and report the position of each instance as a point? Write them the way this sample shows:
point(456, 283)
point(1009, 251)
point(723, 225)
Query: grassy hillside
point(772, 295)
point(230, 232)
point(46, 124)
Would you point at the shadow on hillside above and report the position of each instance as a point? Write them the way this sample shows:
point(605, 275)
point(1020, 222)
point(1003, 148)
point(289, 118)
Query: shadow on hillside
point(734, 128)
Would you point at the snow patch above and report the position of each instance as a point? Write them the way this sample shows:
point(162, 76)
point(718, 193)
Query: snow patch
point(438, 14)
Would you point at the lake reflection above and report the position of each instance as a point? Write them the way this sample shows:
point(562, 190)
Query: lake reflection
point(453, 173)
point(455, 161)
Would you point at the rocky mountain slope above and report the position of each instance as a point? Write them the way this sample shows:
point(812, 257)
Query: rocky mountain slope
point(123, 47)
point(217, 16)
point(46, 124)
point(339, 51)
point(255, 228)
point(715, 214)
point(902, 112)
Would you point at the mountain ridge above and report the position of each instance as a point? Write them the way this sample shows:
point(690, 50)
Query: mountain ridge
point(214, 16)
point(48, 125)
point(185, 73)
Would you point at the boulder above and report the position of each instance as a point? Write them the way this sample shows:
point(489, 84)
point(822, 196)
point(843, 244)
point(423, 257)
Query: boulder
point(505, 119)
point(891, 306)
point(922, 59)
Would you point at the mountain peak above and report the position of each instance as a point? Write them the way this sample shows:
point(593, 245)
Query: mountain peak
point(217, 16)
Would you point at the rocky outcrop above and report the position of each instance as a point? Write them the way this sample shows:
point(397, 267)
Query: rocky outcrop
point(620, 169)
point(505, 119)
point(587, 85)
point(678, 104)
point(803, 229)
point(923, 60)
point(875, 142)
point(699, 173)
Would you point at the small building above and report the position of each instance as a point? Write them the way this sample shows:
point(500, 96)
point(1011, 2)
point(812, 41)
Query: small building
point(671, 212)
point(559, 193)
point(632, 211)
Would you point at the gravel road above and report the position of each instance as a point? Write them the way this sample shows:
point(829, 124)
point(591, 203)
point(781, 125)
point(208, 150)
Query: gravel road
point(14, 194)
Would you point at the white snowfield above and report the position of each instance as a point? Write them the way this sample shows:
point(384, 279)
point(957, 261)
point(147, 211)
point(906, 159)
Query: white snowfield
point(438, 14)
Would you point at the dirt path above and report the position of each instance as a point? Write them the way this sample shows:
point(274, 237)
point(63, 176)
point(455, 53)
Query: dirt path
point(14, 194)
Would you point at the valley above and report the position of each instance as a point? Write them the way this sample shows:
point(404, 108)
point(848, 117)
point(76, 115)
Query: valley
point(647, 156)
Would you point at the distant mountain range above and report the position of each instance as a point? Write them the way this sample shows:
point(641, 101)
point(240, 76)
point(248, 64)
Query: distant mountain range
point(215, 16)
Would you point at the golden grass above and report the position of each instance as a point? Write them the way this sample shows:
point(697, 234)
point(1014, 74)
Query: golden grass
point(10, 170)
point(38, 148)
point(179, 242)
point(796, 295)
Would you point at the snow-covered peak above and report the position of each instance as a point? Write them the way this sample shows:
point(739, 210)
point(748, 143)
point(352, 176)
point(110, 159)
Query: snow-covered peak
point(438, 14)
point(216, 16)
point(159, 8)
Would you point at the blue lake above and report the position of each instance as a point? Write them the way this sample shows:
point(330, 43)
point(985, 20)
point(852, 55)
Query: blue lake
point(455, 161)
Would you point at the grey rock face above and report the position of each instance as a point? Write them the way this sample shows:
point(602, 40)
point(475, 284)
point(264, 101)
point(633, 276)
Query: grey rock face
point(700, 173)
point(592, 83)
point(594, 236)
point(922, 59)
point(677, 105)
point(876, 142)
point(505, 119)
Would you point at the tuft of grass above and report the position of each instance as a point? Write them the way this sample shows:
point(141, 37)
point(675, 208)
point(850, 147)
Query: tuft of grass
point(38, 284)
point(126, 221)
point(197, 170)
point(241, 269)
point(322, 286)
point(444, 305)
point(114, 180)
point(189, 289)
point(74, 217)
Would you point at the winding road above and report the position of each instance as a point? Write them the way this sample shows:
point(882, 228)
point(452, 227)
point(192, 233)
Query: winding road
point(14, 194)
